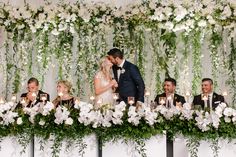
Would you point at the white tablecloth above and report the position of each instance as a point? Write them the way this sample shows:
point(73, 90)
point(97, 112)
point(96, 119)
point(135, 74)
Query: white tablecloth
point(91, 149)
point(227, 149)
point(155, 147)
point(11, 148)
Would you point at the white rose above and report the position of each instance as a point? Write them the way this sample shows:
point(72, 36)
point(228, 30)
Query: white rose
point(41, 122)
point(69, 121)
point(19, 121)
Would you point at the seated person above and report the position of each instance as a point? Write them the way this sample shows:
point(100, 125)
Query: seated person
point(64, 97)
point(32, 97)
point(212, 99)
point(169, 97)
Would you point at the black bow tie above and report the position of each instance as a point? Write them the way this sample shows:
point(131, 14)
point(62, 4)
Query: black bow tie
point(117, 68)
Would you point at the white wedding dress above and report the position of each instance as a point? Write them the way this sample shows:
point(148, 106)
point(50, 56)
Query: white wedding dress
point(105, 97)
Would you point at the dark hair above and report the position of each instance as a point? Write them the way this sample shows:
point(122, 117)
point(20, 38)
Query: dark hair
point(207, 79)
point(115, 52)
point(32, 79)
point(173, 81)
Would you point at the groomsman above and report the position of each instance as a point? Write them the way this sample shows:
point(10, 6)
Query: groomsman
point(130, 82)
point(33, 94)
point(169, 97)
point(208, 98)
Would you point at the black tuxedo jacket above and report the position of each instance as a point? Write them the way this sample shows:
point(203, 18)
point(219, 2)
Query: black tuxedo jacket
point(216, 100)
point(177, 98)
point(130, 82)
point(37, 98)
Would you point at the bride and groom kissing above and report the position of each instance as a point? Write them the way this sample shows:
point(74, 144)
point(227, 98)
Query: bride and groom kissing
point(117, 75)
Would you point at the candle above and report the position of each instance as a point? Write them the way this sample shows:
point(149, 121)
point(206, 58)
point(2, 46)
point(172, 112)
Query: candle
point(115, 96)
point(77, 100)
point(205, 98)
point(169, 98)
point(187, 94)
point(147, 93)
point(99, 102)
point(92, 98)
point(22, 101)
point(33, 94)
point(44, 98)
point(60, 94)
point(131, 102)
point(224, 93)
point(162, 101)
point(1, 101)
point(13, 98)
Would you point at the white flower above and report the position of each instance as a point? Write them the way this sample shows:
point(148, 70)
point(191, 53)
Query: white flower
point(47, 108)
point(69, 121)
point(19, 121)
point(202, 23)
point(122, 71)
point(169, 25)
point(228, 112)
point(227, 119)
point(55, 32)
point(41, 122)
point(187, 106)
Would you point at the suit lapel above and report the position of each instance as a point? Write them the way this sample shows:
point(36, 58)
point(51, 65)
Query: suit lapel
point(115, 72)
point(121, 72)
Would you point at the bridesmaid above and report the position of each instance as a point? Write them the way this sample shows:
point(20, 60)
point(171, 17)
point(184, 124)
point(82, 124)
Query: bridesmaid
point(64, 97)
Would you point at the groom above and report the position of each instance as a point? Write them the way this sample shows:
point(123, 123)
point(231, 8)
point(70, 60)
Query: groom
point(130, 82)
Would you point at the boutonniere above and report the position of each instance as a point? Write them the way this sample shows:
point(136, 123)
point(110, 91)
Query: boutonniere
point(175, 98)
point(122, 71)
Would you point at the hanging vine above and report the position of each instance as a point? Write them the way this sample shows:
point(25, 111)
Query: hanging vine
point(216, 40)
point(232, 73)
point(196, 42)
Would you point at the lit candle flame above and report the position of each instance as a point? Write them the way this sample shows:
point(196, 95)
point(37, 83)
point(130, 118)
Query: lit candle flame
point(147, 93)
point(224, 93)
point(33, 94)
point(187, 94)
point(205, 98)
point(13, 98)
point(92, 98)
point(1, 101)
point(60, 94)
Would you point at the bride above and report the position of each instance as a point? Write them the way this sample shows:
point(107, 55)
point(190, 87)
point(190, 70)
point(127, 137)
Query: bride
point(104, 84)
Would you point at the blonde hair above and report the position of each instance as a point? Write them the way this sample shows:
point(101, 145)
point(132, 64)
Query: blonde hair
point(67, 84)
point(104, 68)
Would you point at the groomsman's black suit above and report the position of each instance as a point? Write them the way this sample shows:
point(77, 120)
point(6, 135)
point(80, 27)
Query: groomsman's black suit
point(177, 98)
point(130, 82)
point(216, 100)
point(37, 97)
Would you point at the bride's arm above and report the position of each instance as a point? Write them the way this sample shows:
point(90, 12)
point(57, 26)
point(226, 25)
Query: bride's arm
point(98, 88)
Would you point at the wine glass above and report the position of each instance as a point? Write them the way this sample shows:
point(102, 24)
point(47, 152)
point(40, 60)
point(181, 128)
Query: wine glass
point(115, 97)
point(162, 100)
point(23, 101)
point(43, 97)
point(131, 100)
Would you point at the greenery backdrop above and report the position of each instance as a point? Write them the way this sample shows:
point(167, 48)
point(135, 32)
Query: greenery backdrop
point(186, 40)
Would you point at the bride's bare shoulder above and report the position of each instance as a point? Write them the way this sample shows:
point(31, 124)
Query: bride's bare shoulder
point(99, 75)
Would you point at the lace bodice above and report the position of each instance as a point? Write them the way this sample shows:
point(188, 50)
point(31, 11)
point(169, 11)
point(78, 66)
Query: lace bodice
point(105, 97)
